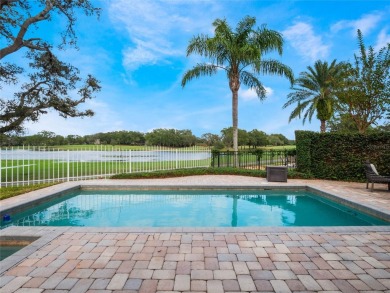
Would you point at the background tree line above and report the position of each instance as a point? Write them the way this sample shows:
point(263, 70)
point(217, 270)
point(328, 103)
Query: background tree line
point(157, 137)
point(348, 97)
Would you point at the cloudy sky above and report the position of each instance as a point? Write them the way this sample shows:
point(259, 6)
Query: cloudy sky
point(137, 50)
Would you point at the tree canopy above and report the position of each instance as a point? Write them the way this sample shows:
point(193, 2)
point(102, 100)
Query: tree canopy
point(364, 94)
point(315, 92)
point(50, 82)
point(240, 53)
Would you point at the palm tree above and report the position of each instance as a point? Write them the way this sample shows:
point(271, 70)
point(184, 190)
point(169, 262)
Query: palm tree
point(315, 92)
point(234, 52)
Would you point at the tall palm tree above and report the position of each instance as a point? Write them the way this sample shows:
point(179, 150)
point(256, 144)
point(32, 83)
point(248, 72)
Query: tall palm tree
point(315, 92)
point(235, 52)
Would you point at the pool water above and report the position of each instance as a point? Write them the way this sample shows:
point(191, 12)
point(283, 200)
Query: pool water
point(228, 208)
point(7, 250)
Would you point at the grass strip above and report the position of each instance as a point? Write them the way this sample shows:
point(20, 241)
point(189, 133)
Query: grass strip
point(7, 192)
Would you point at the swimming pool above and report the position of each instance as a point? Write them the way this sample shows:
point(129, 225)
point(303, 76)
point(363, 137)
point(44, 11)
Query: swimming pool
point(190, 208)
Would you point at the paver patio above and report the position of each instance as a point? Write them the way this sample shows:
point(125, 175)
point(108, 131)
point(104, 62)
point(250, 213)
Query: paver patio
point(268, 259)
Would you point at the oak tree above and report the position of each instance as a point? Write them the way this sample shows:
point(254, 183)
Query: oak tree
point(48, 83)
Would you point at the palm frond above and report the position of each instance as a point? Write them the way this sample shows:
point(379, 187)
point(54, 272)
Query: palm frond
point(268, 40)
point(198, 45)
point(298, 110)
point(275, 67)
point(244, 29)
point(298, 96)
point(202, 69)
point(251, 81)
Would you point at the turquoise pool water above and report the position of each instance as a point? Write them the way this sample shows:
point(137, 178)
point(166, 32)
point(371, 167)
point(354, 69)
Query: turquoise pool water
point(229, 208)
point(6, 251)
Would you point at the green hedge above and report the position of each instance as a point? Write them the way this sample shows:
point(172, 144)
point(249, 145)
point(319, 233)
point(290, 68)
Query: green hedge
point(341, 156)
point(292, 174)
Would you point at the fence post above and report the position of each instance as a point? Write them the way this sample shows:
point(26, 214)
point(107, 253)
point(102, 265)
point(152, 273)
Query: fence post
point(130, 160)
point(68, 167)
point(177, 159)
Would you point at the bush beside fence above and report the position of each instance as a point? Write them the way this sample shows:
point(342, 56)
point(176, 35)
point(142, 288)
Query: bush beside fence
point(341, 156)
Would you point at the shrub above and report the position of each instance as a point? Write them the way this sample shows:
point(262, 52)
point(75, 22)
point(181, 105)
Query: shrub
point(292, 174)
point(341, 156)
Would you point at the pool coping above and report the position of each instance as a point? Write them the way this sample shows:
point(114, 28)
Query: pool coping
point(40, 196)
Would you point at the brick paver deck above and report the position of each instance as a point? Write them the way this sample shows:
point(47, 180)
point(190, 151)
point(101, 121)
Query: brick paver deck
point(81, 259)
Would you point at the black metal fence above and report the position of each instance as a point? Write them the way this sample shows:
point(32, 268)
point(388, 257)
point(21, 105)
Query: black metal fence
point(254, 159)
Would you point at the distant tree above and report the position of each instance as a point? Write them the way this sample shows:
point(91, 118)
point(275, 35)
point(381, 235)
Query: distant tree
point(170, 138)
point(185, 138)
point(274, 140)
point(210, 139)
point(385, 127)
point(234, 52)
point(257, 138)
point(342, 123)
point(283, 139)
point(314, 92)
point(365, 91)
point(227, 137)
point(74, 139)
point(51, 82)
point(11, 140)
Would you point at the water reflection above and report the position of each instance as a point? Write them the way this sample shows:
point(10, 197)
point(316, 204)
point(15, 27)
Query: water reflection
point(187, 209)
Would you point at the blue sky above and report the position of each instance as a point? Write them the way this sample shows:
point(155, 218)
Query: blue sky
point(137, 51)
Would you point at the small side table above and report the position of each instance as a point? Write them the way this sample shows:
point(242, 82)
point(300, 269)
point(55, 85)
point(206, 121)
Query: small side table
point(276, 173)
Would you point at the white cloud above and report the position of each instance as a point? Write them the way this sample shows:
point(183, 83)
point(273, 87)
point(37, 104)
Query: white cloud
point(302, 38)
point(383, 40)
point(366, 23)
point(250, 94)
point(155, 27)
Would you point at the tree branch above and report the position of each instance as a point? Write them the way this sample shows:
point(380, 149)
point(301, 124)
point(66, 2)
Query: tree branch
point(18, 42)
point(6, 3)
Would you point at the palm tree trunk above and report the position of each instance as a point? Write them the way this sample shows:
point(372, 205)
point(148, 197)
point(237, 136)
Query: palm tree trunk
point(323, 126)
point(235, 125)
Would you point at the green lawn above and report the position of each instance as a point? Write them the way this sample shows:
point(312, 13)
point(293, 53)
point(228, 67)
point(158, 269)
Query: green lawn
point(50, 170)
point(6, 192)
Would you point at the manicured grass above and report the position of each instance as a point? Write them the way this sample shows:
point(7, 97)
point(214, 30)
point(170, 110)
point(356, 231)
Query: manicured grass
point(53, 169)
point(6, 192)
point(279, 148)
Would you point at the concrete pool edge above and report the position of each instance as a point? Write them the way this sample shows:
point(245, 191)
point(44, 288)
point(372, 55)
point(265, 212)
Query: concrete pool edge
point(371, 210)
point(42, 195)
point(38, 236)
